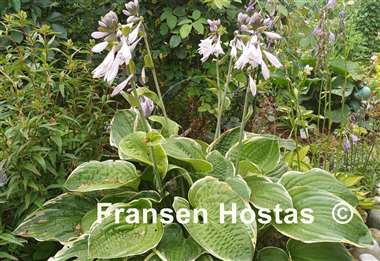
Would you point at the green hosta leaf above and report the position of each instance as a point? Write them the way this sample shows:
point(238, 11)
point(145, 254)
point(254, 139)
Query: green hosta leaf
point(263, 151)
point(188, 152)
point(168, 129)
point(238, 184)
point(272, 254)
point(225, 141)
point(127, 196)
point(266, 194)
point(174, 246)
point(123, 123)
point(280, 170)
point(248, 168)
point(317, 252)
point(225, 241)
point(319, 179)
point(58, 220)
point(205, 258)
point(222, 168)
point(324, 228)
point(88, 219)
point(110, 240)
point(171, 20)
point(134, 147)
point(96, 175)
point(77, 249)
point(218, 3)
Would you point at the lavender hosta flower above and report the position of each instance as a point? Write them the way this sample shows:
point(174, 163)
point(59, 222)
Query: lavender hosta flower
point(346, 144)
point(273, 36)
point(252, 86)
point(330, 4)
point(342, 14)
point(318, 31)
point(214, 25)
point(147, 106)
point(355, 139)
point(250, 7)
point(107, 31)
point(118, 89)
point(132, 8)
point(210, 46)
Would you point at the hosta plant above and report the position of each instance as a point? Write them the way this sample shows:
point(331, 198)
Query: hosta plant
point(157, 169)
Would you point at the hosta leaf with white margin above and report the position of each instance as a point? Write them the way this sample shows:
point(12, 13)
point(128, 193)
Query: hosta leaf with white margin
point(96, 175)
point(110, 240)
point(277, 172)
point(324, 228)
point(127, 196)
point(174, 246)
point(317, 252)
point(266, 194)
point(77, 249)
point(263, 151)
point(238, 184)
point(135, 147)
point(123, 123)
point(222, 167)
point(272, 254)
point(319, 179)
point(59, 219)
point(88, 220)
point(225, 141)
point(178, 171)
point(225, 241)
point(248, 168)
point(188, 153)
point(169, 127)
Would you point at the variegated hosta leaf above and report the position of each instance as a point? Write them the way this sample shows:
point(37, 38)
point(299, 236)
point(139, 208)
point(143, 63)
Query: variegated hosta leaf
point(263, 151)
point(87, 220)
point(123, 123)
point(174, 246)
point(176, 171)
point(110, 240)
point(319, 179)
point(166, 131)
point(188, 153)
point(317, 252)
point(96, 175)
point(225, 141)
point(59, 219)
point(77, 249)
point(248, 168)
point(266, 194)
point(205, 258)
point(277, 172)
point(272, 254)
point(238, 184)
point(222, 168)
point(127, 196)
point(226, 241)
point(135, 147)
point(324, 228)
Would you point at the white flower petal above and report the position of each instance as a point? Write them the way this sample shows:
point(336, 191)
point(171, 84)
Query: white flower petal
point(132, 37)
point(252, 86)
point(118, 89)
point(99, 35)
point(273, 36)
point(265, 71)
point(102, 69)
point(273, 59)
point(99, 47)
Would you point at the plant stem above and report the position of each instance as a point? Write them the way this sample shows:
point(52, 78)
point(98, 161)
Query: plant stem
point(219, 91)
point(242, 126)
point(226, 84)
point(157, 176)
point(155, 79)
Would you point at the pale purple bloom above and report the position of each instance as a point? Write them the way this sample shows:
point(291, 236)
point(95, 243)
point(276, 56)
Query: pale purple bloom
point(252, 86)
point(118, 89)
point(147, 105)
point(304, 134)
point(214, 25)
point(346, 144)
point(318, 31)
point(100, 47)
point(210, 46)
point(268, 22)
point(273, 59)
point(106, 65)
point(355, 139)
point(330, 4)
point(132, 8)
point(273, 36)
point(250, 7)
point(342, 14)
point(243, 18)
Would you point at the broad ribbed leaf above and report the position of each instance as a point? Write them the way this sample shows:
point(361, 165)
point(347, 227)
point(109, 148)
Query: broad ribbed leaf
point(272, 254)
point(225, 241)
point(134, 147)
point(317, 252)
point(123, 123)
point(127, 196)
point(174, 246)
point(263, 151)
point(188, 153)
point(77, 249)
point(266, 194)
point(169, 127)
point(225, 141)
point(324, 228)
point(248, 168)
point(110, 240)
point(59, 219)
point(319, 179)
point(96, 175)
point(222, 168)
